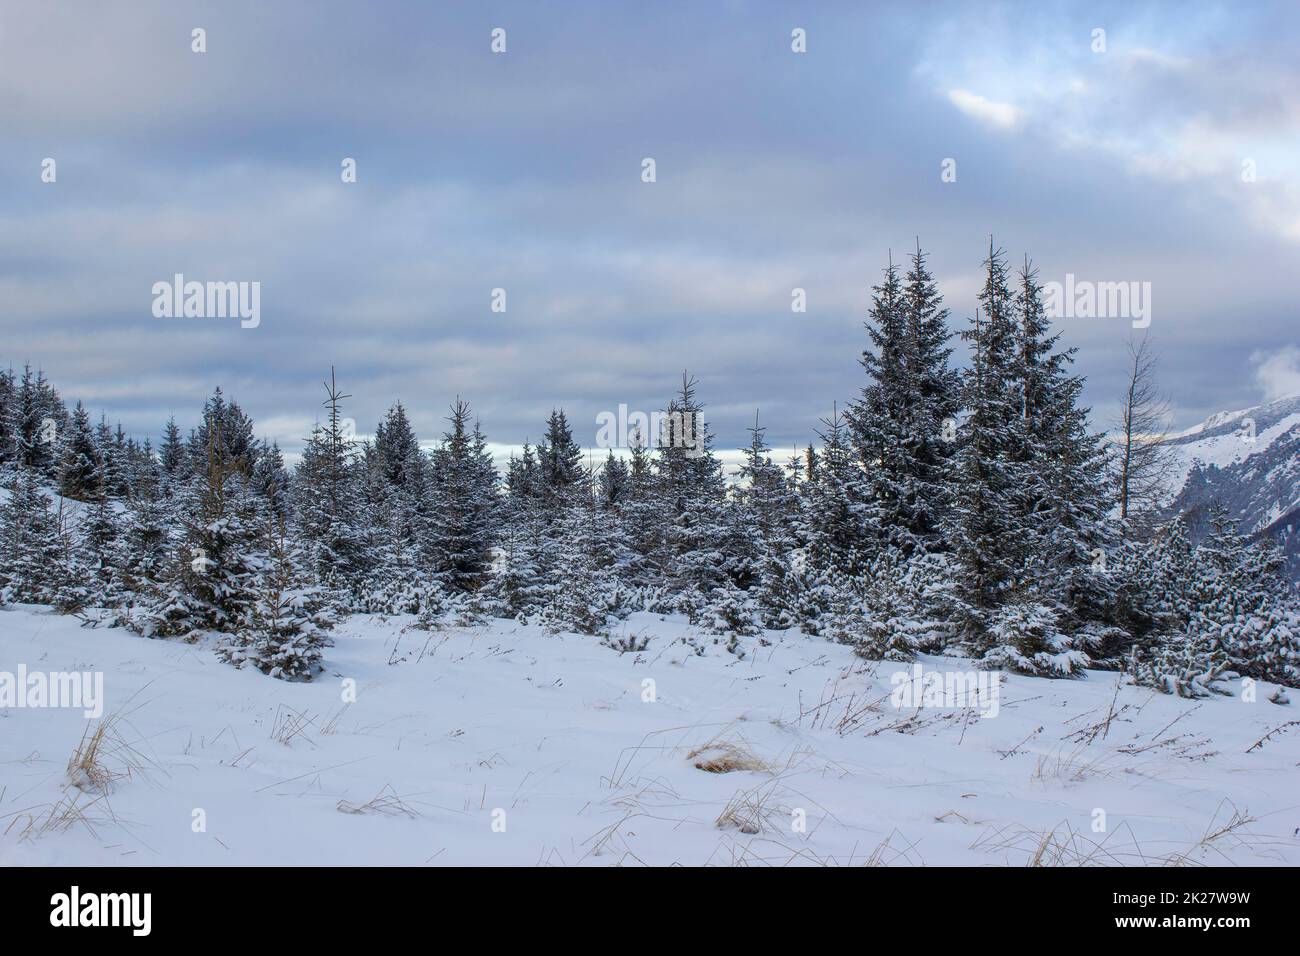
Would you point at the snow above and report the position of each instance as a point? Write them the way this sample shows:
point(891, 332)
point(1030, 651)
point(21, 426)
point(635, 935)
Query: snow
point(561, 734)
point(1223, 444)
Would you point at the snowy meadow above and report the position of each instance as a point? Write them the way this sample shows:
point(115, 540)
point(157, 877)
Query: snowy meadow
point(501, 743)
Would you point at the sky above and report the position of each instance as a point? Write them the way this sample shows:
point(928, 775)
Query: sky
point(1165, 150)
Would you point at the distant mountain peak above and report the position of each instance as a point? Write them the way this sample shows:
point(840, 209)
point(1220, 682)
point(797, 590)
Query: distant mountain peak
point(1248, 461)
point(1264, 415)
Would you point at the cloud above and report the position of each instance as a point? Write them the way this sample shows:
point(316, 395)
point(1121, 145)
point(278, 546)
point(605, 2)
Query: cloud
point(1278, 372)
point(523, 172)
point(1001, 115)
point(1190, 100)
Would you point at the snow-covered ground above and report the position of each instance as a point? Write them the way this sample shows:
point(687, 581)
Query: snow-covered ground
point(501, 744)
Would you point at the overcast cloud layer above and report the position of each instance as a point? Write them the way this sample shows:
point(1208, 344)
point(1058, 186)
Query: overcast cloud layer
point(522, 171)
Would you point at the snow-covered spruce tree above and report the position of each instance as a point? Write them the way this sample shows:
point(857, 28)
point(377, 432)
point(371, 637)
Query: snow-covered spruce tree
point(1188, 665)
point(878, 421)
point(781, 580)
point(763, 504)
point(288, 622)
point(729, 611)
point(819, 596)
point(577, 592)
point(778, 591)
point(642, 521)
point(898, 425)
point(145, 474)
point(1241, 603)
point(434, 607)
point(115, 472)
point(171, 453)
point(1067, 490)
point(140, 558)
point(892, 611)
point(692, 498)
point(211, 582)
point(987, 534)
point(8, 411)
point(34, 550)
point(225, 424)
point(95, 579)
point(37, 418)
point(395, 502)
point(1152, 578)
point(1271, 637)
point(762, 511)
point(1199, 614)
point(612, 482)
point(616, 559)
point(516, 588)
point(934, 390)
point(835, 515)
point(559, 464)
point(397, 450)
point(1026, 637)
point(464, 506)
point(874, 622)
point(396, 458)
point(523, 476)
point(325, 492)
point(81, 472)
point(270, 479)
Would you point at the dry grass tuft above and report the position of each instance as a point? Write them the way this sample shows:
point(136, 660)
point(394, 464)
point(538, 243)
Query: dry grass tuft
point(726, 756)
point(290, 725)
point(70, 810)
point(1229, 828)
point(104, 757)
point(1062, 845)
point(386, 803)
point(749, 810)
point(1069, 767)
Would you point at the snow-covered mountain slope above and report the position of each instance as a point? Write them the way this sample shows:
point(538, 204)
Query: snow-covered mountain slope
point(1248, 461)
point(501, 744)
point(1227, 438)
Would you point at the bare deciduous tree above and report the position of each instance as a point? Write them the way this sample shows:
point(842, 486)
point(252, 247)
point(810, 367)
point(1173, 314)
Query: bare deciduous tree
point(1143, 458)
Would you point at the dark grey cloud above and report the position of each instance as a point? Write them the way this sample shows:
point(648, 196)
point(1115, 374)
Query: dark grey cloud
point(521, 171)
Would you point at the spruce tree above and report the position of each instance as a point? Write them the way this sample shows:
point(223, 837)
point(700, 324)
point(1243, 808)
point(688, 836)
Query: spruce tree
point(691, 494)
point(763, 511)
point(931, 409)
point(270, 479)
point(559, 462)
point(986, 529)
point(577, 591)
point(288, 621)
point(212, 578)
point(836, 519)
point(8, 417)
point(878, 421)
point(100, 580)
point(171, 454)
point(34, 550)
point(37, 419)
point(641, 517)
point(326, 495)
point(81, 473)
point(613, 481)
point(464, 505)
point(1063, 466)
